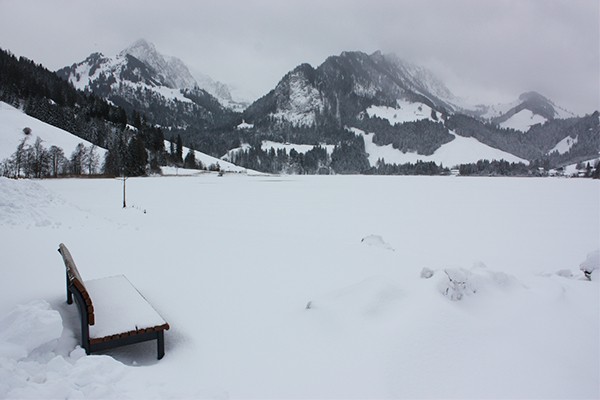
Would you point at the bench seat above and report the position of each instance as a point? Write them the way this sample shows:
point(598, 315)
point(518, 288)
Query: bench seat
point(113, 312)
point(119, 308)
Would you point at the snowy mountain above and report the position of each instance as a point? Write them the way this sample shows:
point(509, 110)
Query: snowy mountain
point(406, 107)
point(345, 85)
point(162, 88)
point(530, 109)
point(172, 71)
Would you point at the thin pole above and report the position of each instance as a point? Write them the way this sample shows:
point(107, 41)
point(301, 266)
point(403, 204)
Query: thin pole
point(124, 204)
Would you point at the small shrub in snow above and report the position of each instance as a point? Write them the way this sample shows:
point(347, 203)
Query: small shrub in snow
point(458, 284)
point(426, 273)
point(376, 241)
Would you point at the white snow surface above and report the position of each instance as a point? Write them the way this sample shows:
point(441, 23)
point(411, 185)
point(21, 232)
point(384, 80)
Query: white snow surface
point(564, 145)
point(270, 292)
point(13, 121)
point(119, 307)
point(523, 121)
point(300, 148)
point(206, 159)
point(404, 111)
point(461, 150)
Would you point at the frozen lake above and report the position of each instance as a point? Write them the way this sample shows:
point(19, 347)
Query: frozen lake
point(271, 291)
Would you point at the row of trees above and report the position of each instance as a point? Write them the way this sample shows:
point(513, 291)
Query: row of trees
point(418, 168)
point(347, 157)
point(36, 161)
point(495, 167)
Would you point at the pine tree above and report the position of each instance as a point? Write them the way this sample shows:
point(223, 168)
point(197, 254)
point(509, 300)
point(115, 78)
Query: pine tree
point(179, 151)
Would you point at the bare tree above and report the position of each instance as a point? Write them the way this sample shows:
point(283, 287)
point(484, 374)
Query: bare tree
point(57, 161)
point(91, 159)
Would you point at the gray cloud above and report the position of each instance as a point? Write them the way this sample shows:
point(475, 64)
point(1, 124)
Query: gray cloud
point(487, 50)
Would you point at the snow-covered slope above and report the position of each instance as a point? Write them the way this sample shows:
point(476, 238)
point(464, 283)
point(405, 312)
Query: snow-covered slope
point(461, 150)
point(309, 287)
point(12, 122)
point(206, 161)
point(523, 120)
point(404, 111)
point(564, 145)
point(300, 148)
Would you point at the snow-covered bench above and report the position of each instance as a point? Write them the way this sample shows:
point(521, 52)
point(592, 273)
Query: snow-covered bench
point(118, 315)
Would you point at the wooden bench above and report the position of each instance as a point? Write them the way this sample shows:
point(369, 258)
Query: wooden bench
point(118, 315)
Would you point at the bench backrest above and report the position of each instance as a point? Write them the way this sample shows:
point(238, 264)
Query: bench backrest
point(76, 283)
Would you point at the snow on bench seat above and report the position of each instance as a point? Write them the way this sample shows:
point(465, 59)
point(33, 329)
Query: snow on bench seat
point(120, 308)
point(113, 313)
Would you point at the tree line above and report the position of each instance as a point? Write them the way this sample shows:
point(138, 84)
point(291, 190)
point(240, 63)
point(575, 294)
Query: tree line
point(37, 161)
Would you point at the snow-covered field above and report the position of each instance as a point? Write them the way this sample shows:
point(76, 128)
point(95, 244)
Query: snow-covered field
point(309, 287)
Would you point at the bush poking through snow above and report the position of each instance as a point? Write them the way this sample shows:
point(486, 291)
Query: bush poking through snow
point(591, 266)
point(458, 285)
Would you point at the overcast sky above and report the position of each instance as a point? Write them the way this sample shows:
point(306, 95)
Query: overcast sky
point(485, 50)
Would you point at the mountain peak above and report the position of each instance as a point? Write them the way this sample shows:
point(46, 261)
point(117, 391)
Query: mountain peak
point(172, 71)
point(140, 47)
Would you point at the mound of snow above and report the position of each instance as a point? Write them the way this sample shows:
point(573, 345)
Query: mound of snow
point(591, 265)
point(31, 368)
point(376, 241)
point(28, 327)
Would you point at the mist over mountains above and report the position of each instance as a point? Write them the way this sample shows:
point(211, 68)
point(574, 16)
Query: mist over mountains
point(350, 102)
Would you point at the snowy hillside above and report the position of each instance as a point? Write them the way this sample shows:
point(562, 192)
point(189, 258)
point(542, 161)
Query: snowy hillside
point(403, 112)
point(460, 150)
point(564, 145)
point(523, 120)
point(309, 287)
point(12, 122)
point(206, 160)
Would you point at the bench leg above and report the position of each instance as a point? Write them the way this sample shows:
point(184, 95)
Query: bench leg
point(69, 294)
point(160, 339)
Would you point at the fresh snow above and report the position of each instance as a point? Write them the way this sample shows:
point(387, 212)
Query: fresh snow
point(300, 148)
point(571, 169)
point(286, 287)
point(205, 159)
point(461, 150)
point(303, 104)
point(523, 121)
point(404, 112)
point(244, 125)
point(13, 121)
point(119, 307)
point(564, 145)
